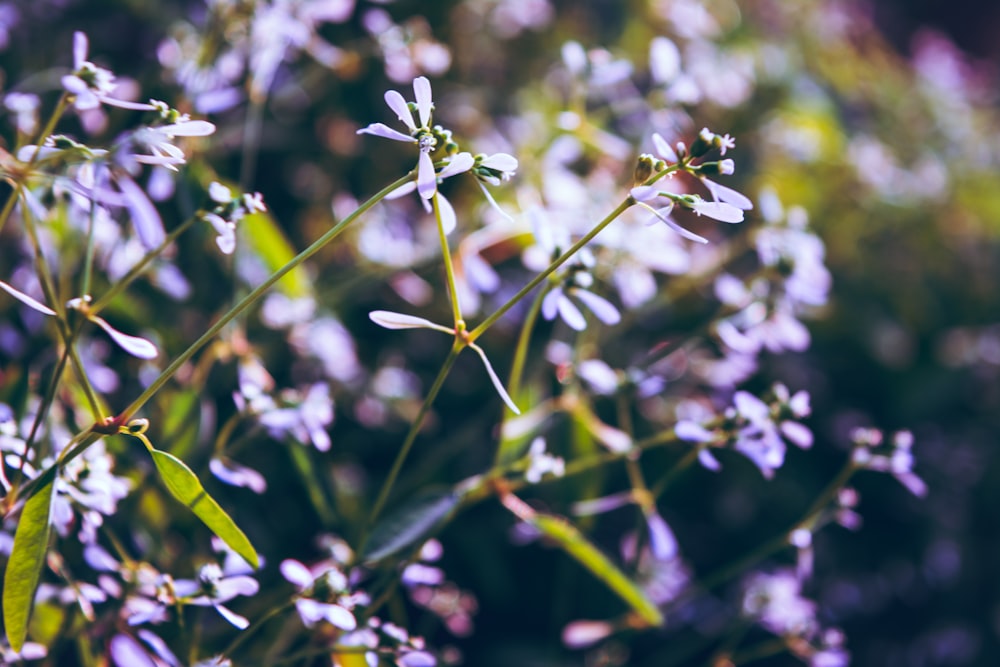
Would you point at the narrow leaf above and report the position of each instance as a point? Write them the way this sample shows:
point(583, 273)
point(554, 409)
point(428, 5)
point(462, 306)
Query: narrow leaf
point(412, 523)
point(25, 565)
point(185, 487)
point(576, 545)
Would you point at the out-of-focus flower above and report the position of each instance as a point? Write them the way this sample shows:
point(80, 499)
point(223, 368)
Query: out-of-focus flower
point(323, 594)
point(541, 462)
point(896, 458)
point(91, 85)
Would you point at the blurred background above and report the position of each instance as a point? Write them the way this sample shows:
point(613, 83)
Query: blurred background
point(879, 119)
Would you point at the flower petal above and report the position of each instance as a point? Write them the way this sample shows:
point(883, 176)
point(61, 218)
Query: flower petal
point(496, 380)
point(386, 132)
point(26, 300)
point(426, 177)
point(80, 48)
point(446, 214)
point(721, 193)
point(599, 306)
point(691, 236)
point(190, 128)
point(422, 92)
point(720, 211)
point(137, 347)
point(145, 218)
point(570, 314)
point(391, 320)
point(238, 621)
point(296, 573)
point(396, 102)
point(501, 162)
point(663, 149)
point(460, 163)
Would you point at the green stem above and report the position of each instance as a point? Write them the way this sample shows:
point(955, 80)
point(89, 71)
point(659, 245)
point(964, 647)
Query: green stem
point(559, 261)
point(253, 297)
point(255, 626)
point(62, 321)
point(120, 285)
point(411, 437)
point(449, 269)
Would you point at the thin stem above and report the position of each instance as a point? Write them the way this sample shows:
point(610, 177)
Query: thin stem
point(88, 255)
point(65, 331)
point(559, 261)
point(253, 297)
point(255, 626)
point(456, 307)
point(43, 409)
point(120, 285)
point(411, 437)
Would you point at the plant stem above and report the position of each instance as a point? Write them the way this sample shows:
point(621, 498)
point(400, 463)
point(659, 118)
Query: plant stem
point(411, 436)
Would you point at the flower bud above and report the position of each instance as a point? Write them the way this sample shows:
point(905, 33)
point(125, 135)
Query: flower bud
point(644, 168)
point(704, 143)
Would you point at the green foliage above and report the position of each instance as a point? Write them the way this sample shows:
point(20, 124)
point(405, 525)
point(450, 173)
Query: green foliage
point(185, 487)
point(25, 565)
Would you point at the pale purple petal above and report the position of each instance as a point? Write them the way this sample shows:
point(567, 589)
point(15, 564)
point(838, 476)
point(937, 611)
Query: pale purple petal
point(26, 300)
point(402, 190)
point(599, 306)
point(493, 202)
point(496, 380)
point(798, 434)
point(190, 128)
point(727, 195)
point(692, 432)
point(446, 213)
point(719, 211)
point(914, 484)
point(416, 659)
point(422, 93)
point(426, 177)
point(76, 85)
point(581, 634)
point(238, 621)
point(570, 314)
point(145, 218)
point(127, 652)
point(396, 102)
point(603, 504)
point(662, 542)
point(339, 617)
point(386, 132)
point(159, 647)
point(708, 460)
point(296, 573)
point(391, 320)
point(550, 304)
point(663, 149)
point(137, 347)
point(751, 407)
point(125, 104)
point(231, 587)
point(662, 214)
point(501, 162)
point(460, 163)
point(80, 48)
point(644, 193)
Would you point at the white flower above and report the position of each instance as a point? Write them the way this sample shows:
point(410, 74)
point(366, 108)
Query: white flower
point(91, 85)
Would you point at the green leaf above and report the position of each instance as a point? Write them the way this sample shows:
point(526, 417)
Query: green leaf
point(25, 565)
point(273, 248)
point(185, 487)
point(412, 523)
point(576, 545)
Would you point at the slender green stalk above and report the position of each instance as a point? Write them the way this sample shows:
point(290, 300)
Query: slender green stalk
point(411, 437)
point(559, 261)
point(449, 269)
point(253, 297)
point(66, 332)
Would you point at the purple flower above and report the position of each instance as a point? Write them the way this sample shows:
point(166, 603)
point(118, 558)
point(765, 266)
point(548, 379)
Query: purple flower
point(419, 134)
point(322, 594)
point(214, 586)
point(91, 85)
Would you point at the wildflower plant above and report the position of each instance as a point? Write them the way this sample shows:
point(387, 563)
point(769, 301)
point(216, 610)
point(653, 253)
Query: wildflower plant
point(606, 387)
